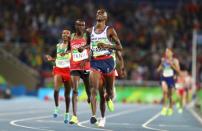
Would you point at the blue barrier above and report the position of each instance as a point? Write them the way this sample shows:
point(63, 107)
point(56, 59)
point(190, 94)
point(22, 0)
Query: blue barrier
point(47, 93)
point(18, 90)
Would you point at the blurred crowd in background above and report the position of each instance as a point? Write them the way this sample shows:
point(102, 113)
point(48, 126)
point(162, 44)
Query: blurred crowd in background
point(29, 29)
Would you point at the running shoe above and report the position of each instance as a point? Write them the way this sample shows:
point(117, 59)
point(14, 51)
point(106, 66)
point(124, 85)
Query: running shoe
point(93, 120)
point(74, 120)
point(102, 122)
point(110, 105)
point(170, 112)
point(180, 110)
point(56, 112)
point(164, 111)
point(66, 118)
point(178, 105)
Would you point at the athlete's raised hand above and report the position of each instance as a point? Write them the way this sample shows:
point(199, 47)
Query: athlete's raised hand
point(80, 49)
point(83, 64)
point(64, 53)
point(103, 46)
point(122, 73)
point(49, 58)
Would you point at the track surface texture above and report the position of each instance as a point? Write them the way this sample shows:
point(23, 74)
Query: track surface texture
point(29, 114)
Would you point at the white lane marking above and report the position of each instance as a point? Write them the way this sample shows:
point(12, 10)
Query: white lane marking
point(196, 115)
point(160, 125)
point(92, 128)
point(122, 124)
point(49, 121)
point(180, 126)
point(22, 112)
point(14, 122)
point(110, 116)
point(145, 125)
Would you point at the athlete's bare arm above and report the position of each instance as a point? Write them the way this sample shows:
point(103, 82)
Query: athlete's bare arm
point(113, 35)
point(160, 67)
point(88, 32)
point(122, 66)
point(119, 56)
point(49, 58)
point(175, 65)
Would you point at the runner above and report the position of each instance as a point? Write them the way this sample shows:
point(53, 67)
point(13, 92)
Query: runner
point(180, 86)
point(168, 66)
point(61, 73)
point(102, 64)
point(119, 71)
point(188, 88)
point(80, 64)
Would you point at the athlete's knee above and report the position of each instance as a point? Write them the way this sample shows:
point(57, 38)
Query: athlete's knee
point(93, 92)
point(165, 89)
point(75, 92)
point(56, 90)
point(102, 98)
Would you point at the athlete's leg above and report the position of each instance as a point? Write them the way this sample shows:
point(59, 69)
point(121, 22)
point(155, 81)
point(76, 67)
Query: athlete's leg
point(165, 96)
point(57, 80)
point(87, 86)
point(75, 84)
point(102, 98)
point(102, 103)
point(170, 92)
point(179, 101)
point(181, 105)
point(186, 96)
point(67, 86)
point(114, 91)
point(165, 92)
point(109, 81)
point(102, 91)
point(94, 78)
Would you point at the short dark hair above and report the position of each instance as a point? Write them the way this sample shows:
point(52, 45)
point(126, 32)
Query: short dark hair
point(80, 19)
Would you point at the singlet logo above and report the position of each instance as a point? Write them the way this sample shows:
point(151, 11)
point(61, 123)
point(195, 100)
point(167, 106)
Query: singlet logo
point(76, 46)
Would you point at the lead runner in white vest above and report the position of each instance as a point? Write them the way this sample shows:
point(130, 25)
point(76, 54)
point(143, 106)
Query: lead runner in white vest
point(103, 41)
point(100, 38)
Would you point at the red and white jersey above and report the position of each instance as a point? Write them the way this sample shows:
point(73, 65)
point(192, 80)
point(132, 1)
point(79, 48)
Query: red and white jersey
point(78, 57)
point(180, 83)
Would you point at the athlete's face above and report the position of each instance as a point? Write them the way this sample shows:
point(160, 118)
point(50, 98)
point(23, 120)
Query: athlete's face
point(80, 26)
point(101, 15)
point(65, 34)
point(186, 73)
point(169, 53)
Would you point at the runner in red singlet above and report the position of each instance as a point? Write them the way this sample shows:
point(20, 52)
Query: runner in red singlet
point(80, 64)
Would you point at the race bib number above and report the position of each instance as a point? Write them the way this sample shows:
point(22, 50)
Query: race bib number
point(79, 56)
point(168, 72)
point(98, 51)
point(62, 63)
point(179, 85)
